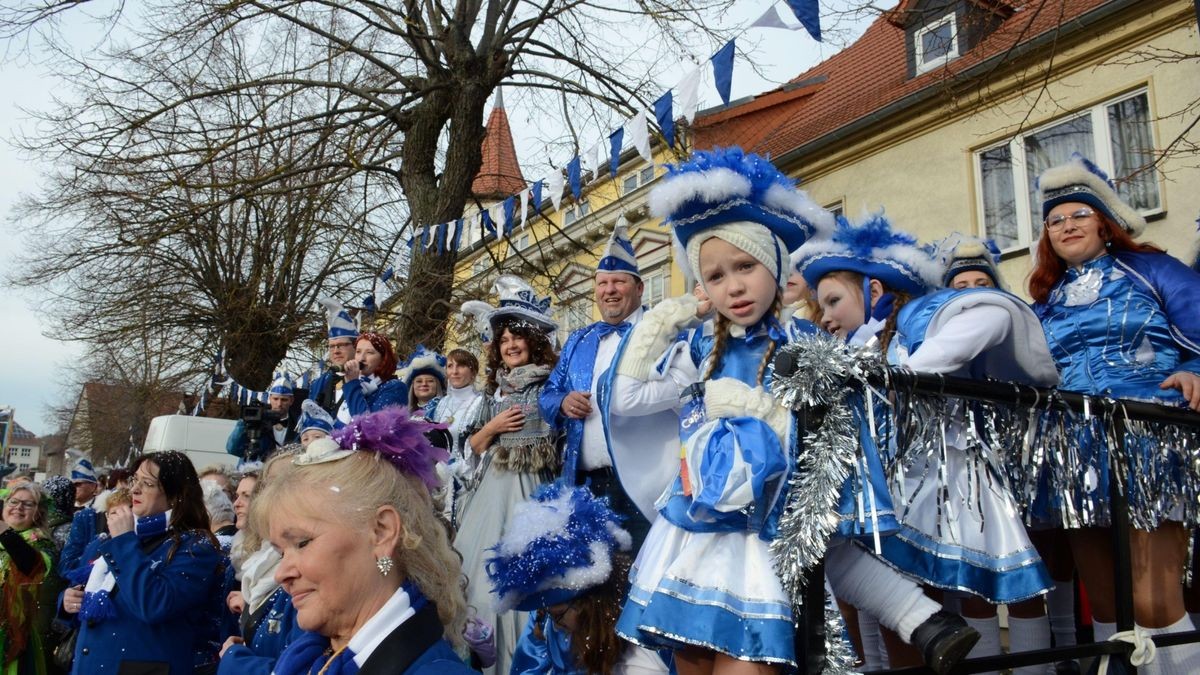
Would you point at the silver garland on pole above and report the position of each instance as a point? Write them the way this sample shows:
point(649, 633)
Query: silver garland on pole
point(839, 657)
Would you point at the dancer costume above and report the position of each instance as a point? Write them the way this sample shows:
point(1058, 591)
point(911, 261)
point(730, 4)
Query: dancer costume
point(424, 361)
point(558, 547)
point(704, 576)
point(1118, 326)
point(512, 468)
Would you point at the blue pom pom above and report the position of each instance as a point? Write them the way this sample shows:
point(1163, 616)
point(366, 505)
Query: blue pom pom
point(875, 232)
point(758, 169)
point(1091, 167)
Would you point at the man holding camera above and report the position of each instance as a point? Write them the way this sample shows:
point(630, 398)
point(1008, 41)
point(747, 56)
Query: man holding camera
point(261, 431)
point(327, 389)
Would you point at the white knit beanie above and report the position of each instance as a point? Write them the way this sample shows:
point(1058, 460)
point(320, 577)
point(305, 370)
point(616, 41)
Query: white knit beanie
point(753, 238)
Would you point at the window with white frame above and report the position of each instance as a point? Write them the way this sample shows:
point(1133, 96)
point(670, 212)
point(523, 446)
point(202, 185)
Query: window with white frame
point(480, 264)
point(936, 43)
point(657, 285)
point(523, 242)
point(637, 179)
point(576, 212)
point(1116, 135)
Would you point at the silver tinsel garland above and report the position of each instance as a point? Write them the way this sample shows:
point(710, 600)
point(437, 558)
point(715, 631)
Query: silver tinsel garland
point(839, 657)
point(825, 367)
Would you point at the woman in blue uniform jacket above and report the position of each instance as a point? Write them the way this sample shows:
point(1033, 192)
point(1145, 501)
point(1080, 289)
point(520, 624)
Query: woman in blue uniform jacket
point(1120, 319)
point(149, 604)
point(371, 383)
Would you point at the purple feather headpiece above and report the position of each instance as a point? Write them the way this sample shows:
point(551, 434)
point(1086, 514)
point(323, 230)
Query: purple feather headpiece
point(399, 437)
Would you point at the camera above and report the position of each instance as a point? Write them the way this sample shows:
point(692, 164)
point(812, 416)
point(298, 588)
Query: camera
point(257, 415)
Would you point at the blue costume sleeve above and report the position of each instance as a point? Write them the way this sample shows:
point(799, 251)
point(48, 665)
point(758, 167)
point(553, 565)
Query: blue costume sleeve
point(236, 445)
point(532, 657)
point(155, 590)
point(558, 385)
point(1178, 289)
point(317, 386)
point(240, 660)
point(83, 530)
point(356, 401)
point(392, 392)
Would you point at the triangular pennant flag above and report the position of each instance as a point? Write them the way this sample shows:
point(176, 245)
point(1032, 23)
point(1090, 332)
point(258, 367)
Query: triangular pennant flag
point(456, 239)
point(689, 94)
point(665, 118)
point(640, 134)
point(615, 139)
point(771, 19)
point(555, 183)
point(722, 63)
point(809, 14)
point(524, 206)
point(537, 194)
point(489, 225)
point(441, 238)
point(425, 236)
point(510, 212)
point(496, 212)
point(573, 178)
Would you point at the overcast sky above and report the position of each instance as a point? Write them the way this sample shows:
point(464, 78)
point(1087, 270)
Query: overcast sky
point(32, 363)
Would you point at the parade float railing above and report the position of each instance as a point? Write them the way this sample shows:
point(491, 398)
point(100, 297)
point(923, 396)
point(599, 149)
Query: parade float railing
point(1114, 414)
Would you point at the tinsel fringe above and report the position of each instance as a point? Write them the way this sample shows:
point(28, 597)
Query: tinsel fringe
point(541, 455)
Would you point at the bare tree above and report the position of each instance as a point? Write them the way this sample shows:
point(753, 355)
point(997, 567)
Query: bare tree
point(391, 90)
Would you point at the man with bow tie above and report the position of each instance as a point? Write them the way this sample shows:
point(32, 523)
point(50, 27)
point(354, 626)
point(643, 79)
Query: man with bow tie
point(569, 400)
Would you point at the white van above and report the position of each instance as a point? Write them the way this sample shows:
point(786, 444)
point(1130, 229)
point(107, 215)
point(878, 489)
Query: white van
point(202, 439)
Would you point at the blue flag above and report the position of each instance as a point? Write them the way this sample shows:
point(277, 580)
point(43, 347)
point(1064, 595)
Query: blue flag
point(510, 209)
point(425, 237)
point(809, 14)
point(666, 117)
point(537, 197)
point(488, 226)
point(441, 238)
point(614, 141)
point(458, 228)
point(723, 70)
point(574, 178)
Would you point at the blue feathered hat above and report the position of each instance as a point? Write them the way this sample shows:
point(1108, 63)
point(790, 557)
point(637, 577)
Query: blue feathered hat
point(557, 545)
point(422, 362)
point(960, 253)
point(313, 416)
point(1080, 180)
point(871, 248)
point(729, 185)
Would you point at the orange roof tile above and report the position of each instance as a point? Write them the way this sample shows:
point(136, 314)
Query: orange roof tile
point(499, 173)
point(866, 77)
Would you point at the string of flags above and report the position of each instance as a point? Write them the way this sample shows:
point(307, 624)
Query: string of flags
point(683, 100)
point(242, 395)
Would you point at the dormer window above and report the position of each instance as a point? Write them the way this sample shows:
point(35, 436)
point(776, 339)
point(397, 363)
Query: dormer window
point(936, 43)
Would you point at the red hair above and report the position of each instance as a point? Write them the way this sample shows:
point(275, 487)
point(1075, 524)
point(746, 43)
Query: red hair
point(387, 367)
point(1050, 268)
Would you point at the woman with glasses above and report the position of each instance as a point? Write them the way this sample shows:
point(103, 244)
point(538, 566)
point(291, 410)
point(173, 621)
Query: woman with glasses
point(1120, 318)
point(26, 550)
point(151, 598)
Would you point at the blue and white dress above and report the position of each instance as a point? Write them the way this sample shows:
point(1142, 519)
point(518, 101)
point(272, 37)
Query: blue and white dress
point(1118, 326)
point(960, 525)
point(704, 576)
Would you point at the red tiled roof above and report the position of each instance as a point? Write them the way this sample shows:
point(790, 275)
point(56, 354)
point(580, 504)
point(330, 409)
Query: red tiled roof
point(499, 174)
point(866, 77)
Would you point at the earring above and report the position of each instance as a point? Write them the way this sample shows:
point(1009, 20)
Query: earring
point(1108, 243)
point(385, 565)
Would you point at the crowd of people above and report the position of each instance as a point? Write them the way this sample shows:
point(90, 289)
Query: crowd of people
point(609, 506)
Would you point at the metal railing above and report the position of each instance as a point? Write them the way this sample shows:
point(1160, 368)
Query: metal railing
point(810, 636)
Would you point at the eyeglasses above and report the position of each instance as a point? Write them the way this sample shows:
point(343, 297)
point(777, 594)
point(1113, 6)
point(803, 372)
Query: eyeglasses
point(1058, 221)
point(13, 502)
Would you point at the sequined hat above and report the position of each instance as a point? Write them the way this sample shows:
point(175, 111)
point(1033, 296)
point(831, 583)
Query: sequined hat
point(556, 546)
point(313, 416)
point(422, 362)
point(619, 256)
point(83, 472)
point(519, 302)
point(1079, 180)
point(282, 385)
point(960, 253)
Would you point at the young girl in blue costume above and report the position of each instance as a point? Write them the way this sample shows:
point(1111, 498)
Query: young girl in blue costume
point(1121, 321)
point(564, 558)
point(703, 583)
point(866, 277)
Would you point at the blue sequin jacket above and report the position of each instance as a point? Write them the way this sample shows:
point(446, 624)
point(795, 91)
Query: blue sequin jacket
point(1121, 324)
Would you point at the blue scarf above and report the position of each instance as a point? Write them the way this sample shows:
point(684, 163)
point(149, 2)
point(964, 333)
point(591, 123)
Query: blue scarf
point(97, 592)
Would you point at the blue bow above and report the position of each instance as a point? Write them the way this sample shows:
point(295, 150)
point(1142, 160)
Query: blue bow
point(603, 328)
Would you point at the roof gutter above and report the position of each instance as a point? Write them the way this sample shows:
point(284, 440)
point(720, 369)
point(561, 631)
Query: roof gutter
point(1091, 18)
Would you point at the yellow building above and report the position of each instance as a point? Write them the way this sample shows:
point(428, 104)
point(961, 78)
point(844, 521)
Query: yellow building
point(557, 249)
point(944, 113)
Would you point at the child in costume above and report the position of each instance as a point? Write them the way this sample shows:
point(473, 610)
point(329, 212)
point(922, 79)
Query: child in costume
point(565, 559)
point(703, 583)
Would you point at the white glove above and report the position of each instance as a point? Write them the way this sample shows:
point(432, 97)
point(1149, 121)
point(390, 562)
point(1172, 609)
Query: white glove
point(654, 333)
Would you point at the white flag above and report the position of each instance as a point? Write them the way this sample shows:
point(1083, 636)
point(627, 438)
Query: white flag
point(555, 183)
point(689, 93)
point(496, 211)
point(524, 204)
point(640, 134)
point(451, 230)
point(771, 19)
